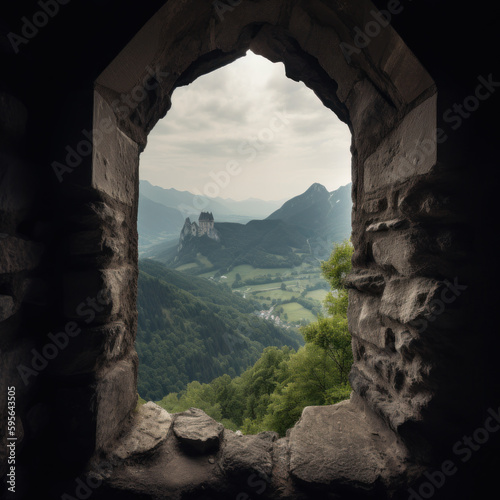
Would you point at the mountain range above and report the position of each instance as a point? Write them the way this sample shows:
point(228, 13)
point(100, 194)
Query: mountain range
point(156, 224)
point(305, 225)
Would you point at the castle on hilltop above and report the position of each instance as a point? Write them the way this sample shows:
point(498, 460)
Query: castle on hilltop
point(205, 227)
point(206, 223)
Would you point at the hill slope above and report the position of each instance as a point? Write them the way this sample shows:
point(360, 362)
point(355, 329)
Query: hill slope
point(260, 243)
point(191, 329)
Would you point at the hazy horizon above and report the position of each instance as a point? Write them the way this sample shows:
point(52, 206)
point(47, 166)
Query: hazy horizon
point(247, 131)
point(251, 197)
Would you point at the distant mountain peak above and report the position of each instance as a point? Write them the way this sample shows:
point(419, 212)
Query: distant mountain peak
point(317, 188)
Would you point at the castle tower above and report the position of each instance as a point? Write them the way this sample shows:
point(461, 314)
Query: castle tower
point(206, 223)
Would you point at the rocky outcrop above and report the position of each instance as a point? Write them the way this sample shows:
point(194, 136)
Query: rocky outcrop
point(193, 230)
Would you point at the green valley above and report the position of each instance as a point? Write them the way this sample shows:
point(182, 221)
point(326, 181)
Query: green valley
point(271, 394)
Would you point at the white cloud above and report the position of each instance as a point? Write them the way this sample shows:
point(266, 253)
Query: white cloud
point(223, 116)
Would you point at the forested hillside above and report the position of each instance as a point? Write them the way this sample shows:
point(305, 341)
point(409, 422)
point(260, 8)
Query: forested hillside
point(259, 243)
point(192, 329)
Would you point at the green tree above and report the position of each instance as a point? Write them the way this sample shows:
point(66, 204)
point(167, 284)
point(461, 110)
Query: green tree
point(332, 333)
point(307, 379)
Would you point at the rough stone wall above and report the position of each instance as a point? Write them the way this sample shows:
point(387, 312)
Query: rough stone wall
point(421, 236)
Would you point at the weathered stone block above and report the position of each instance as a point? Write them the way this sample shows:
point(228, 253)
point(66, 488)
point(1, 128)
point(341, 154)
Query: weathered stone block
point(83, 350)
point(366, 106)
point(7, 307)
point(149, 430)
point(396, 252)
point(386, 225)
point(421, 204)
point(104, 243)
point(198, 431)
point(86, 242)
point(409, 150)
point(118, 340)
point(97, 215)
point(406, 299)
point(115, 156)
point(99, 295)
point(379, 394)
point(341, 445)
point(374, 206)
point(364, 318)
point(319, 41)
point(246, 455)
point(409, 77)
point(365, 280)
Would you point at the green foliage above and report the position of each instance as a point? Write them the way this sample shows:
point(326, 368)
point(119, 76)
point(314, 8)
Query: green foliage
point(268, 396)
point(336, 268)
point(332, 333)
point(306, 380)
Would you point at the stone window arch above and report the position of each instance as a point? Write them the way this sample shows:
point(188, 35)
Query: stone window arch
point(374, 84)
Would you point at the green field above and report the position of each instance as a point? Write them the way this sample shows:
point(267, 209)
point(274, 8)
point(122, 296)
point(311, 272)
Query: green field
point(200, 262)
point(248, 272)
point(273, 294)
point(269, 293)
point(317, 295)
point(296, 312)
point(185, 267)
point(201, 259)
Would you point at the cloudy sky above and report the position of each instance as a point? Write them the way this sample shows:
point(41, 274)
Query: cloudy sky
point(247, 131)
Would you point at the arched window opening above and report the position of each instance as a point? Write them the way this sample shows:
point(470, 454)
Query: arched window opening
point(244, 189)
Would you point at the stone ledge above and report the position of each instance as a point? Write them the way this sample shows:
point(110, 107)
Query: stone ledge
point(365, 281)
point(387, 225)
